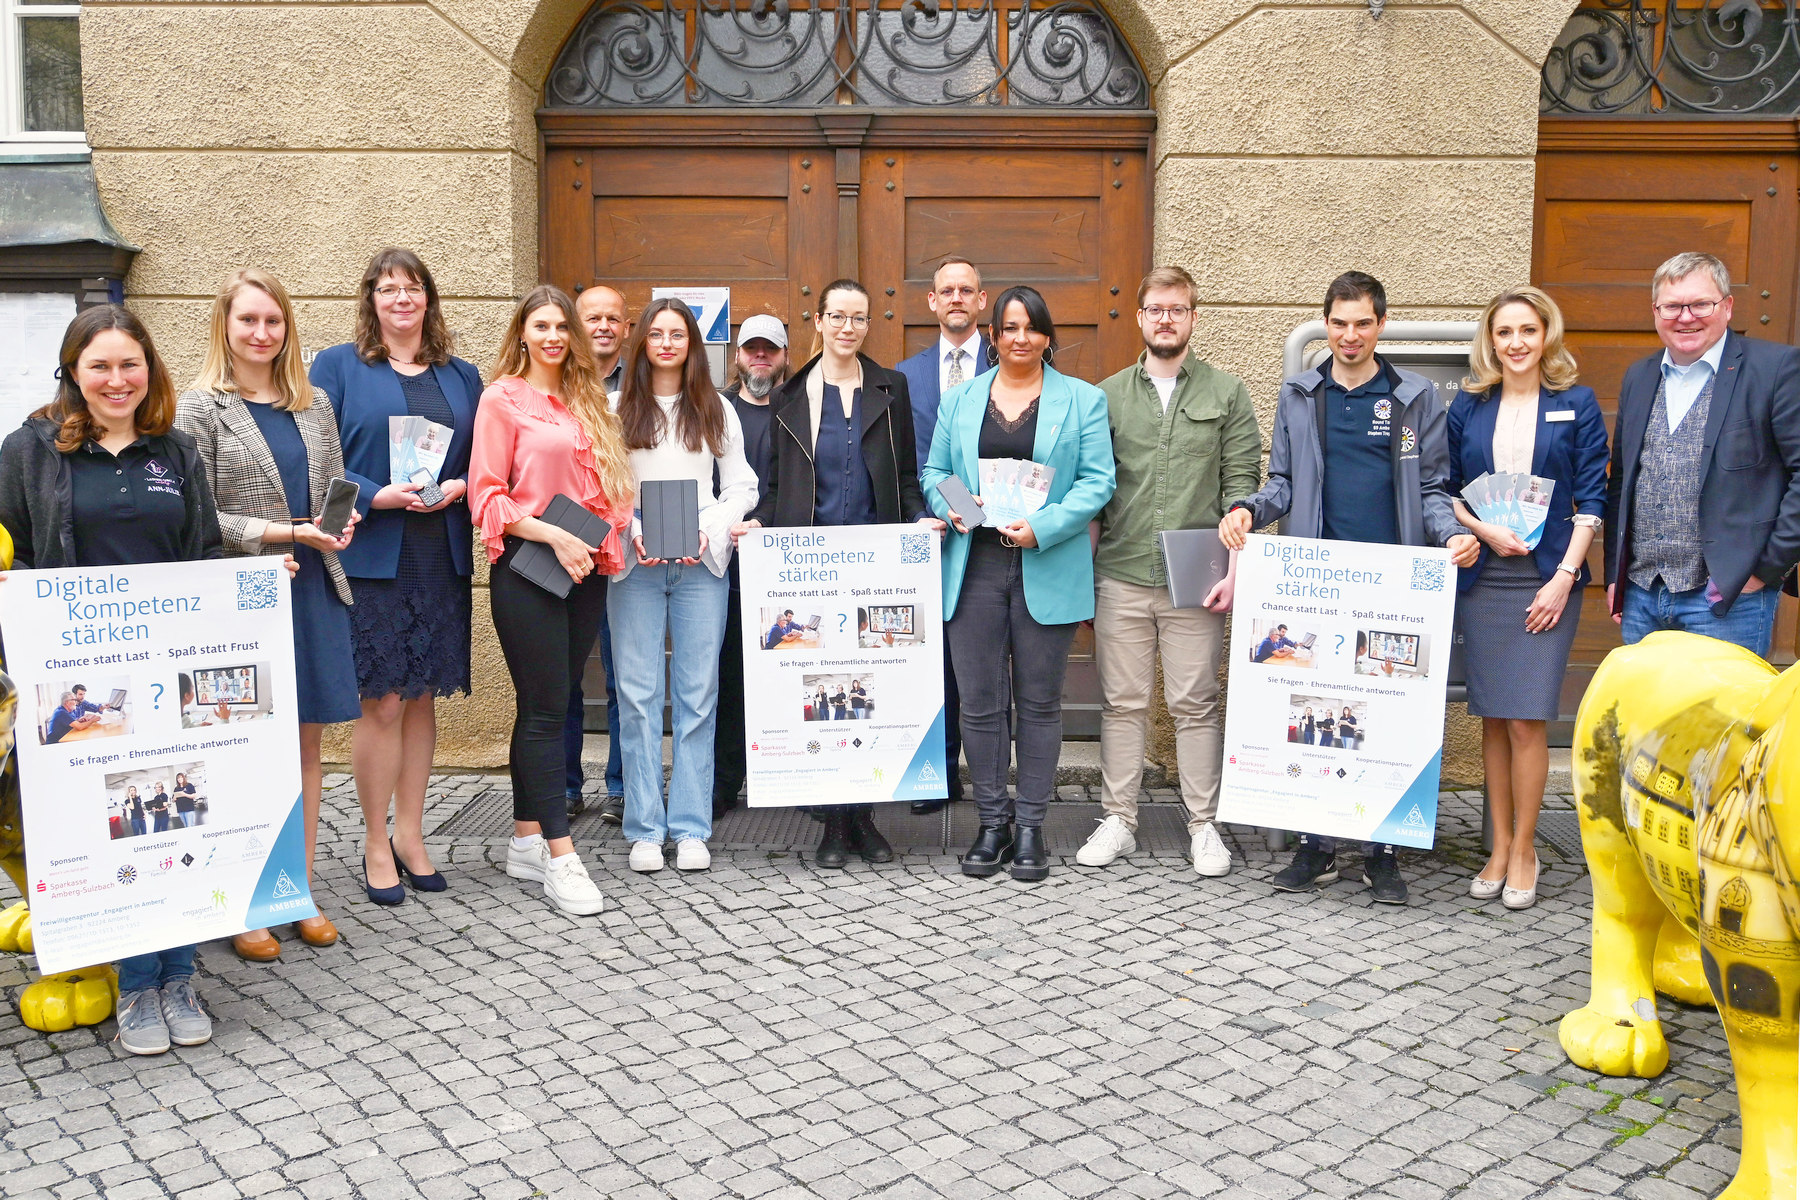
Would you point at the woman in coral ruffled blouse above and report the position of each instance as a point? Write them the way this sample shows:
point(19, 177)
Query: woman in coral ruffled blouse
point(543, 429)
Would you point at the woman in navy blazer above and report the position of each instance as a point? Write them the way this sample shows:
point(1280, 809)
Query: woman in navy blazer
point(1518, 608)
point(410, 563)
point(1014, 594)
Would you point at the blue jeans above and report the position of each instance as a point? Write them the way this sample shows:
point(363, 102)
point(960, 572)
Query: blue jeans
point(574, 726)
point(142, 971)
point(162, 823)
point(137, 827)
point(687, 605)
point(1750, 623)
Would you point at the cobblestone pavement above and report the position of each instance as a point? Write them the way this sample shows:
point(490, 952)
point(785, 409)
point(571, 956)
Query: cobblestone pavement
point(768, 1030)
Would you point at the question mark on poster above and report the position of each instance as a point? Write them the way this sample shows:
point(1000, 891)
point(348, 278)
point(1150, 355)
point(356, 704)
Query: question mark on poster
point(1340, 648)
point(842, 619)
point(156, 700)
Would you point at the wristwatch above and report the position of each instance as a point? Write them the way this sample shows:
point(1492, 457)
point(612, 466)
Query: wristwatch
point(1574, 572)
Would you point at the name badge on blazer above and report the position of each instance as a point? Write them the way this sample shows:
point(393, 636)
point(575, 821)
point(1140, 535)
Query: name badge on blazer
point(1565, 414)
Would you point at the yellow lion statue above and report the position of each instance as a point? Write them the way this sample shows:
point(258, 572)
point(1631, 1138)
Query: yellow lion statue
point(1687, 777)
point(84, 997)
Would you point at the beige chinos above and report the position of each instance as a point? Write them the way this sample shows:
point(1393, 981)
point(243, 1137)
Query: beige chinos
point(1132, 623)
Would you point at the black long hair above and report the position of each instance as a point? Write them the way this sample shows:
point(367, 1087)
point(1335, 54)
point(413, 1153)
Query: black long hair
point(699, 415)
point(1037, 319)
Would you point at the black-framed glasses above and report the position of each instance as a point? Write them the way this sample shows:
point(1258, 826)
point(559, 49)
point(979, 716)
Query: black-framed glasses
point(389, 291)
point(1174, 312)
point(1701, 309)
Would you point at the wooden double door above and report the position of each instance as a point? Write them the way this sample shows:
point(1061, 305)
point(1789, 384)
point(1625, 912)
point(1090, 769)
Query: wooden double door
point(1617, 197)
point(777, 212)
point(775, 206)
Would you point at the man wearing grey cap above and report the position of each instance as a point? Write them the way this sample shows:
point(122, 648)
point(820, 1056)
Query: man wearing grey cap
point(760, 368)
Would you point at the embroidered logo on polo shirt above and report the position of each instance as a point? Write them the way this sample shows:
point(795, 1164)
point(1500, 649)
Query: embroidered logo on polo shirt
point(160, 479)
point(1384, 408)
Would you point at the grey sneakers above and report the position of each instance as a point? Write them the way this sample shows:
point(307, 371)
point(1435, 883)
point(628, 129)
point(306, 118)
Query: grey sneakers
point(187, 1022)
point(150, 1019)
point(142, 1029)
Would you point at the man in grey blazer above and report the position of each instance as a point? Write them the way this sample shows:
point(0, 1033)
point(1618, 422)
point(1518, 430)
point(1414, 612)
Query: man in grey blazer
point(1703, 501)
point(959, 354)
point(1359, 454)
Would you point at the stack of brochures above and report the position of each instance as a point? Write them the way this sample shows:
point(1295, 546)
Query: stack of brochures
point(415, 445)
point(1516, 502)
point(1012, 489)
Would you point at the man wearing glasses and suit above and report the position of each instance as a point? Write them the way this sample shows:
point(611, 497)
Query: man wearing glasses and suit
point(959, 354)
point(1703, 500)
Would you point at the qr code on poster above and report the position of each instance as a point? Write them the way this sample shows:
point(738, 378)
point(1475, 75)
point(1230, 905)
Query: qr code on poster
point(256, 589)
point(1428, 574)
point(915, 548)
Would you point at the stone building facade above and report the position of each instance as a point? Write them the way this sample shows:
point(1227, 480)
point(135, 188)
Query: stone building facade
point(1291, 141)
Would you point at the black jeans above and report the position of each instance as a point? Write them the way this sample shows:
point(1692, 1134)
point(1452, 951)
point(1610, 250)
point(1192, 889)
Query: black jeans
point(1001, 651)
point(546, 642)
point(730, 764)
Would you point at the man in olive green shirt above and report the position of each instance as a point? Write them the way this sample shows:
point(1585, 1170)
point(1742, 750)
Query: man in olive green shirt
point(1186, 444)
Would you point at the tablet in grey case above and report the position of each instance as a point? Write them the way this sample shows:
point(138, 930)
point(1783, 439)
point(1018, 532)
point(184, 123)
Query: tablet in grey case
point(671, 509)
point(537, 562)
point(1194, 560)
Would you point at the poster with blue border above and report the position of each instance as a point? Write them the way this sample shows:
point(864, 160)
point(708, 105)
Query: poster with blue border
point(1334, 718)
point(159, 754)
point(843, 665)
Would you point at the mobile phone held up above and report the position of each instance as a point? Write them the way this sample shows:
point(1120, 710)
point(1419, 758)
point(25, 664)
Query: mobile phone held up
point(429, 494)
point(340, 502)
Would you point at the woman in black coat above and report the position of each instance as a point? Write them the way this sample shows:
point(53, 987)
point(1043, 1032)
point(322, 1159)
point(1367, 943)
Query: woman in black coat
point(841, 452)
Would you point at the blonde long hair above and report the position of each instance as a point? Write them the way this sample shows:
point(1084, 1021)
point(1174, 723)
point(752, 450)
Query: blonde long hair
point(1558, 367)
point(583, 388)
point(293, 391)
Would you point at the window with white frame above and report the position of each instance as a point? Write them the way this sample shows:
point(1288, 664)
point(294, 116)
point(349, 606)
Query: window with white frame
point(40, 67)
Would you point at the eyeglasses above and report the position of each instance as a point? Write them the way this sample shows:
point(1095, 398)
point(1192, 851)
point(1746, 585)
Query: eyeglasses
point(673, 336)
point(1699, 308)
point(389, 291)
point(1178, 312)
point(953, 293)
point(838, 320)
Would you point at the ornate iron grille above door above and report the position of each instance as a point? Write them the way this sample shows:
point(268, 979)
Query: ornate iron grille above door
point(823, 53)
point(1731, 58)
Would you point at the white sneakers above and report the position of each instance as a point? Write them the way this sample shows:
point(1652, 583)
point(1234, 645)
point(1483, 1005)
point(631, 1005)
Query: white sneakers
point(567, 885)
point(691, 854)
point(1106, 843)
point(646, 857)
point(532, 863)
point(1114, 838)
point(1211, 858)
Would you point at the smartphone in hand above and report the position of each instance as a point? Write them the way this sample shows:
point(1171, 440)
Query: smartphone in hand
point(340, 502)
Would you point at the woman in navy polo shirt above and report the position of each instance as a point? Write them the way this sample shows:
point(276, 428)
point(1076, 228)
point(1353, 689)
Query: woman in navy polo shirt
point(411, 561)
point(1520, 411)
point(99, 478)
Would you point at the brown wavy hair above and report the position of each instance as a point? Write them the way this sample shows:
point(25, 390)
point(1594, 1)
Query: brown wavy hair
point(583, 389)
point(1557, 368)
point(699, 414)
point(155, 412)
point(436, 344)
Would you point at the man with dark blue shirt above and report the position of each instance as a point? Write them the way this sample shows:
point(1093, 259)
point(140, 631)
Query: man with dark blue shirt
point(1276, 645)
point(1359, 454)
point(784, 625)
point(67, 718)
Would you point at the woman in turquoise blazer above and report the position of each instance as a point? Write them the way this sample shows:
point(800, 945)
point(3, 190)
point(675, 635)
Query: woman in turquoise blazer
point(1015, 587)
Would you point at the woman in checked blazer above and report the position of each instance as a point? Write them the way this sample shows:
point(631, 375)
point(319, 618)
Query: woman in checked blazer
point(270, 445)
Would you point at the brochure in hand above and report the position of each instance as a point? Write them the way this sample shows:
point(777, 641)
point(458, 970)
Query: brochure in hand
point(1012, 489)
point(415, 444)
point(1517, 502)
